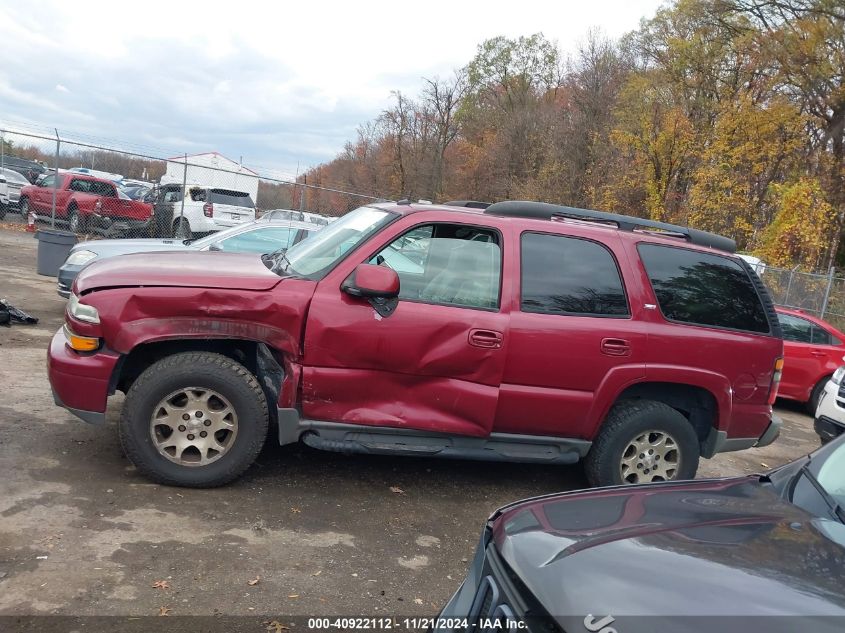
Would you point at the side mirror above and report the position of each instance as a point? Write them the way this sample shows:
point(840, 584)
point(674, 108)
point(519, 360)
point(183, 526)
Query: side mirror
point(372, 282)
point(215, 247)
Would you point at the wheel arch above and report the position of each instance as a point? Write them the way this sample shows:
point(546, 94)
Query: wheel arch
point(698, 405)
point(269, 365)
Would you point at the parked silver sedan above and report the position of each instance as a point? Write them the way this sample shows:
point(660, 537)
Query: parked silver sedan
point(261, 236)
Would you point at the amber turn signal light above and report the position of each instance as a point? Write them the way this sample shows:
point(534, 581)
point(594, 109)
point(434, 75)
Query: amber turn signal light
point(81, 343)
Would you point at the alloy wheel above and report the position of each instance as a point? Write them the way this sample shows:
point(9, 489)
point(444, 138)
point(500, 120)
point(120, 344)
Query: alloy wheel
point(193, 426)
point(650, 456)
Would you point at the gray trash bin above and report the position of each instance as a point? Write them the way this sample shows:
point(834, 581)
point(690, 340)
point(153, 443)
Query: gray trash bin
point(53, 249)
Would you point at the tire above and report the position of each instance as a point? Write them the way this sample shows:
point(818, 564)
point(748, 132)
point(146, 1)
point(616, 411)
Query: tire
point(75, 223)
point(181, 229)
point(3, 209)
point(162, 389)
point(23, 208)
point(812, 404)
point(640, 422)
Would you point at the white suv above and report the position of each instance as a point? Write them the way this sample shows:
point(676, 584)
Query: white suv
point(206, 209)
point(830, 412)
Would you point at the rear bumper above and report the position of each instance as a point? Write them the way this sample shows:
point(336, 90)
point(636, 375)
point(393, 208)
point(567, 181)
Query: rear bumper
point(80, 382)
point(719, 442)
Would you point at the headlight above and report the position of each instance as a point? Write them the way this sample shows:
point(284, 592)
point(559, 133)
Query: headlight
point(838, 375)
point(80, 257)
point(81, 311)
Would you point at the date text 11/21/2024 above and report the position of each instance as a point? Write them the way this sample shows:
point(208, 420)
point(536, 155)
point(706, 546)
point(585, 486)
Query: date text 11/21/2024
point(417, 623)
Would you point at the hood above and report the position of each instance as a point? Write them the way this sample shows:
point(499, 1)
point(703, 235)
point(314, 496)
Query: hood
point(189, 268)
point(723, 547)
point(110, 248)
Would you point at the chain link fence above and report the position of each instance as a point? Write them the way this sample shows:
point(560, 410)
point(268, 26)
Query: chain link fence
point(99, 191)
point(822, 295)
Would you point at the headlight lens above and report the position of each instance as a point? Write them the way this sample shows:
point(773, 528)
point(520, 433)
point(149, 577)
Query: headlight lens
point(838, 375)
point(80, 257)
point(81, 311)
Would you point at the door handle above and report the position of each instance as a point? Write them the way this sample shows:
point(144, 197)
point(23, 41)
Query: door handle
point(487, 339)
point(615, 347)
point(817, 353)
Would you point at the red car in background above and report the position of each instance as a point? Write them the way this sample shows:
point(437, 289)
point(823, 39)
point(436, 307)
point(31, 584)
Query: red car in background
point(812, 350)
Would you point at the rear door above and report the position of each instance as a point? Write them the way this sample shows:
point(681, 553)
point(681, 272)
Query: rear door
point(436, 362)
point(230, 207)
point(571, 335)
point(810, 353)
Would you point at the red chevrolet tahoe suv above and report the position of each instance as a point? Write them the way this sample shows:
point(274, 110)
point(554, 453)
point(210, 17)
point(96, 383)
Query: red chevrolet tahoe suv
point(521, 332)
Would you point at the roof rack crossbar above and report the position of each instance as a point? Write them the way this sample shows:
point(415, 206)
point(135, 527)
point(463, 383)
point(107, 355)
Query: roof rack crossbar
point(546, 211)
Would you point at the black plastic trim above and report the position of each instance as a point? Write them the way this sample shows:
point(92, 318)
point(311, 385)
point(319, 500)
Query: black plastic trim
point(546, 211)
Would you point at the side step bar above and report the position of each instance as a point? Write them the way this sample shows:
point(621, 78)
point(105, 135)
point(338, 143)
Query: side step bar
point(377, 440)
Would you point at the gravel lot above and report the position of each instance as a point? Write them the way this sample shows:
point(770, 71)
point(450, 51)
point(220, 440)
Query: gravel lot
point(81, 533)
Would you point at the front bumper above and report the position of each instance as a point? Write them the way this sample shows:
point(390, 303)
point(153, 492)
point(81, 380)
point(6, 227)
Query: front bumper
point(64, 281)
point(80, 382)
point(828, 429)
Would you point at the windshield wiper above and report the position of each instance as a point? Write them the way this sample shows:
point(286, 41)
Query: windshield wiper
point(832, 503)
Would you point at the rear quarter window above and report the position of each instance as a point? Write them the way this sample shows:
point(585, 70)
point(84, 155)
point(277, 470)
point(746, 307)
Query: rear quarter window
point(703, 289)
point(228, 196)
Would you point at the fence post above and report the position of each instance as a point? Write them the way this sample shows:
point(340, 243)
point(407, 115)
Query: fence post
point(827, 291)
point(789, 286)
point(2, 149)
point(55, 182)
point(302, 194)
point(184, 184)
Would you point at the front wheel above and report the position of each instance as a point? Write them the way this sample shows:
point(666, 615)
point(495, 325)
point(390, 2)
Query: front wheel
point(23, 207)
point(642, 441)
point(194, 419)
point(74, 222)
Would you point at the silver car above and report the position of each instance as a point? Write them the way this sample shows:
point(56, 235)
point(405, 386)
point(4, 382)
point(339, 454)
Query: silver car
point(14, 182)
point(260, 236)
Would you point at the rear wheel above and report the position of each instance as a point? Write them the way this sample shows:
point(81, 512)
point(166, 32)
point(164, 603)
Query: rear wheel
point(195, 419)
point(3, 208)
point(182, 229)
point(23, 207)
point(642, 441)
point(815, 395)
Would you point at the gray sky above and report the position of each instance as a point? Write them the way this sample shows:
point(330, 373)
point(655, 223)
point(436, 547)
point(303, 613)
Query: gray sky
point(280, 84)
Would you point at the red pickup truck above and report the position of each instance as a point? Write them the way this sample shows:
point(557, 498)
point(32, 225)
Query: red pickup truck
point(84, 202)
point(524, 332)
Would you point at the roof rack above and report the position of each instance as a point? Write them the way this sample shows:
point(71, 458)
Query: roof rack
point(546, 211)
point(469, 204)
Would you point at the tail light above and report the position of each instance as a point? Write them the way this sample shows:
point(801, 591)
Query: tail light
point(776, 374)
point(208, 209)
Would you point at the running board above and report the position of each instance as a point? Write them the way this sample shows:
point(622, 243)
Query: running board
point(377, 440)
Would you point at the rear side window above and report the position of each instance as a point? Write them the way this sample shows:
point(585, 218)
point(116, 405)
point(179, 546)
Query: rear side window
point(703, 289)
point(102, 189)
point(800, 330)
point(568, 275)
point(228, 196)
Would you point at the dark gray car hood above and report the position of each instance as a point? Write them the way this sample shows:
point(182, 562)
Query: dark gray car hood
point(719, 547)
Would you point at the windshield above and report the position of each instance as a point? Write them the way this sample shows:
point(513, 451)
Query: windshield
point(315, 257)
